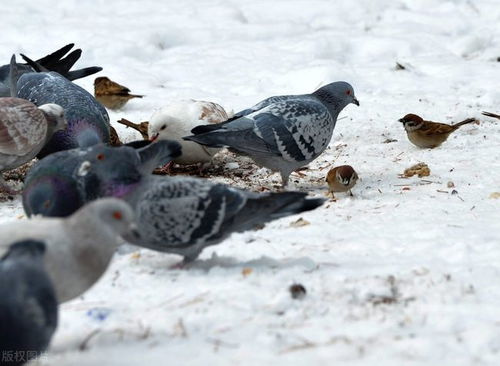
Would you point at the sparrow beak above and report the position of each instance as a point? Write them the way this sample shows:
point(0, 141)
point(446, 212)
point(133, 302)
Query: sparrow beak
point(154, 137)
point(355, 101)
point(402, 120)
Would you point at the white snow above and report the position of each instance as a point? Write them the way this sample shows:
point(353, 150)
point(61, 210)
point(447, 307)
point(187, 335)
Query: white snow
point(397, 275)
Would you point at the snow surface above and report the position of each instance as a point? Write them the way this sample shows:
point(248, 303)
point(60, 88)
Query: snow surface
point(404, 273)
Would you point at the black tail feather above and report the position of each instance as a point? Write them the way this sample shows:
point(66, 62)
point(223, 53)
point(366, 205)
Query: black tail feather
point(56, 62)
point(52, 60)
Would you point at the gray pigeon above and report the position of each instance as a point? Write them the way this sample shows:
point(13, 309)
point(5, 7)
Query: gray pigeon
point(59, 184)
point(53, 62)
point(88, 121)
point(183, 215)
point(282, 133)
point(80, 247)
point(24, 131)
point(28, 305)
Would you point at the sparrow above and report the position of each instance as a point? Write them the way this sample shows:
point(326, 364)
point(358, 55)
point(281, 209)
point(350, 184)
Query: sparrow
point(341, 179)
point(428, 134)
point(110, 94)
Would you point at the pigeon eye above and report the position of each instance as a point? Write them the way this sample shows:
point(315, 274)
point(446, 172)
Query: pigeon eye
point(163, 127)
point(117, 215)
point(100, 157)
point(348, 92)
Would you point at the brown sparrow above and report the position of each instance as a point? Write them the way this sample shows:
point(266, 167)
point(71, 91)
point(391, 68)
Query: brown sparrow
point(110, 94)
point(341, 179)
point(428, 134)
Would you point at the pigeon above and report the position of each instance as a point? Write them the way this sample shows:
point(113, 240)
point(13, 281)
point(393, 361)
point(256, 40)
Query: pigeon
point(53, 62)
point(282, 133)
point(80, 247)
point(28, 304)
point(178, 214)
point(24, 130)
point(176, 121)
point(111, 94)
point(88, 121)
point(60, 183)
point(183, 215)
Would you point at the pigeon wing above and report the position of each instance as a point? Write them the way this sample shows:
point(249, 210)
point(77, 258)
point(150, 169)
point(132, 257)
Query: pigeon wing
point(22, 127)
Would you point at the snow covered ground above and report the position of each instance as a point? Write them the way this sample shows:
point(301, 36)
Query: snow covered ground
point(404, 273)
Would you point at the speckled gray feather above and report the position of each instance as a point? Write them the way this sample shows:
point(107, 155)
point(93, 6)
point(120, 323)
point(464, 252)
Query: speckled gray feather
point(184, 215)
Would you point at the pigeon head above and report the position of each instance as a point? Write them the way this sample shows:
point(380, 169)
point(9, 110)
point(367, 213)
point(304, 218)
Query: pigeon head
point(54, 114)
point(51, 194)
point(158, 127)
point(114, 213)
point(338, 95)
point(113, 171)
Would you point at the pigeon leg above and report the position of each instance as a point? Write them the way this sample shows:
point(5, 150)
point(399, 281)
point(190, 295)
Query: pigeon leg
point(284, 179)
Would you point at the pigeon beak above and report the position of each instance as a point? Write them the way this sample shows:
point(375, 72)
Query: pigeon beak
point(355, 101)
point(154, 137)
point(134, 230)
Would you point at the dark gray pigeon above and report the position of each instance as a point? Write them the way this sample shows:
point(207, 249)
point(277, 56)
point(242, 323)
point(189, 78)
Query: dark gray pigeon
point(80, 247)
point(24, 131)
point(61, 183)
point(184, 215)
point(88, 121)
point(282, 133)
point(53, 62)
point(28, 305)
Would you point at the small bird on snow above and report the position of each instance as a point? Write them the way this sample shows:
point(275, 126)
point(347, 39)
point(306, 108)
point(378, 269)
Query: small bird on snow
point(176, 120)
point(282, 133)
point(428, 134)
point(111, 94)
point(80, 247)
point(341, 179)
point(28, 304)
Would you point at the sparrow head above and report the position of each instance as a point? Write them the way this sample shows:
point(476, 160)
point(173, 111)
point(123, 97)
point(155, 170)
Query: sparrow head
point(411, 122)
point(102, 80)
point(346, 175)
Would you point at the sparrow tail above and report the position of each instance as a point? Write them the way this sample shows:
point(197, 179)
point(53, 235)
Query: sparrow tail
point(489, 114)
point(464, 122)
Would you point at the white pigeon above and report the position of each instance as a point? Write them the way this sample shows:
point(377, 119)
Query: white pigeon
point(79, 247)
point(176, 120)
